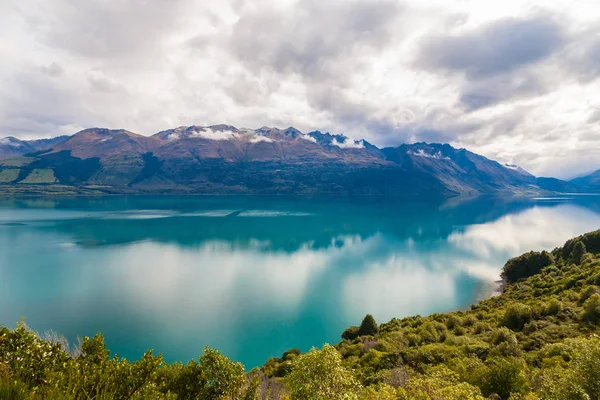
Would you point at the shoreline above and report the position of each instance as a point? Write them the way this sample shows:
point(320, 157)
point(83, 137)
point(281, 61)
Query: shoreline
point(498, 288)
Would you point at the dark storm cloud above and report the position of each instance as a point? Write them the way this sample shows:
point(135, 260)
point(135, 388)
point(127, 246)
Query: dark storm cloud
point(496, 48)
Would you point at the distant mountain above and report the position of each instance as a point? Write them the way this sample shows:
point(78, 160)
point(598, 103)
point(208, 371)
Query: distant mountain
point(589, 183)
point(557, 185)
point(225, 159)
point(11, 146)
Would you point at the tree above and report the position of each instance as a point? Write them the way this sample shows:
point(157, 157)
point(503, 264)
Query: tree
point(212, 377)
point(526, 265)
point(350, 333)
point(578, 251)
point(319, 375)
point(368, 326)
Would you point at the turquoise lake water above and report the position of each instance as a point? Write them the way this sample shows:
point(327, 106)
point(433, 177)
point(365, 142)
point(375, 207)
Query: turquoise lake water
point(255, 276)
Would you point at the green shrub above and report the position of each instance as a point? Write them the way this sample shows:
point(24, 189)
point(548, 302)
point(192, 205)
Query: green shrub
point(453, 321)
point(587, 293)
point(591, 309)
point(553, 307)
point(516, 316)
point(503, 376)
point(350, 333)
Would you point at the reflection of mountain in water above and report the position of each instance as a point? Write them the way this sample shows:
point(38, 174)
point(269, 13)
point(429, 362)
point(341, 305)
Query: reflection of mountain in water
point(277, 223)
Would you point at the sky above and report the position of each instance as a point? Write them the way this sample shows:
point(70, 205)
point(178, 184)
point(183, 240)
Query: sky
point(513, 80)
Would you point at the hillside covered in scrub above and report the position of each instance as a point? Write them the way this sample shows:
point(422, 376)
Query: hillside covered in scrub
point(538, 340)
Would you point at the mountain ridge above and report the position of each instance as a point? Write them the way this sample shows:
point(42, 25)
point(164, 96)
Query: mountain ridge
point(225, 159)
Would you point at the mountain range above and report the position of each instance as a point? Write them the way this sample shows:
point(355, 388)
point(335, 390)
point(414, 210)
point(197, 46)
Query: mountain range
point(224, 159)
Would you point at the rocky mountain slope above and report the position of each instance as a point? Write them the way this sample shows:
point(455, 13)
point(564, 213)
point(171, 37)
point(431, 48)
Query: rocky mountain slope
point(589, 183)
point(225, 159)
point(11, 146)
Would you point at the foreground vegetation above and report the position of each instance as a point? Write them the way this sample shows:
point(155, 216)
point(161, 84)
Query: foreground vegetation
point(536, 341)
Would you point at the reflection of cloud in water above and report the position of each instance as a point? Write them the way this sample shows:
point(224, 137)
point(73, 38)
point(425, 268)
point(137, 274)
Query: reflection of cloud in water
point(379, 274)
point(533, 229)
point(411, 281)
point(209, 213)
point(399, 286)
point(138, 214)
point(212, 274)
point(269, 213)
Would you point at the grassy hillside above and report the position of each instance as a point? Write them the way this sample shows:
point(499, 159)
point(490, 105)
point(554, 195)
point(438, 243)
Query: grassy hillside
point(538, 340)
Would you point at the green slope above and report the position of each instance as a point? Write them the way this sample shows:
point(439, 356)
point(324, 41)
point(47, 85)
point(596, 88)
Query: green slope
point(40, 176)
point(8, 175)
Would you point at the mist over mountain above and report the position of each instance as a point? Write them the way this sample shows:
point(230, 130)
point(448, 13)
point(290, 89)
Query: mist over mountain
point(225, 159)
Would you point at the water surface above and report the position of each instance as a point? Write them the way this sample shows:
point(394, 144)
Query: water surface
point(255, 276)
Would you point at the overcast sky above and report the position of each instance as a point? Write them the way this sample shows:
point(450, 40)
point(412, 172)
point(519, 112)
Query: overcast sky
point(514, 80)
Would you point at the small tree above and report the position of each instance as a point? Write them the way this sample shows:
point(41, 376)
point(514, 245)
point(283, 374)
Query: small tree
point(578, 251)
point(350, 333)
point(368, 326)
point(319, 375)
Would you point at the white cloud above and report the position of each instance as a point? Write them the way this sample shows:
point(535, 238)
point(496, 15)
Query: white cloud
point(258, 138)
point(422, 153)
point(207, 133)
point(513, 80)
point(349, 144)
point(309, 138)
point(9, 142)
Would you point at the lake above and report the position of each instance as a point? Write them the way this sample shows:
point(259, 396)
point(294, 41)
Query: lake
point(255, 276)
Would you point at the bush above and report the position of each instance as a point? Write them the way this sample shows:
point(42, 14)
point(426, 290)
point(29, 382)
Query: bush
point(587, 293)
point(290, 354)
point(591, 309)
point(553, 307)
point(350, 333)
point(503, 376)
point(481, 327)
point(516, 316)
point(453, 321)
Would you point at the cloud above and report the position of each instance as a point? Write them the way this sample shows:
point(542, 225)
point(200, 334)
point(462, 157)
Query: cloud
point(284, 40)
point(257, 139)
point(483, 93)
point(500, 46)
point(208, 133)
point(513, 80)
point(348, 144)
